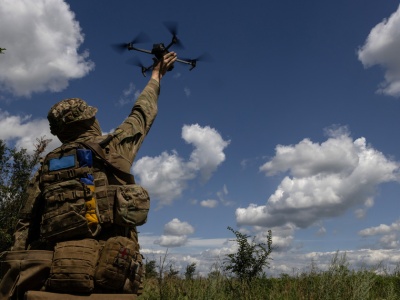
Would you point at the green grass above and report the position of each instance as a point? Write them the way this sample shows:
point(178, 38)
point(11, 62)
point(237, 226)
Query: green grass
point(339, 281)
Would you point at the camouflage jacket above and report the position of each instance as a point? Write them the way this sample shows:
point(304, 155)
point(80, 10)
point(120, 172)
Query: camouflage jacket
point(125, 144)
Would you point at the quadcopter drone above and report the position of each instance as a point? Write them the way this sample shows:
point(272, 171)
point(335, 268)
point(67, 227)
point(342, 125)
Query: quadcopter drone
point(2, 50)
point(158, 50)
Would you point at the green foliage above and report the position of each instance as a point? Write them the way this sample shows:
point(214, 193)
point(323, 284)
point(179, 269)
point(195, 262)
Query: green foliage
point(338, 281)
point(172, 272)
point(251, 257)
point(16, 167)
point(150, 269)
point(190, 271)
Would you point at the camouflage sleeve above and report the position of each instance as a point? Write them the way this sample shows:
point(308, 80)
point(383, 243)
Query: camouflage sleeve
point(29, 217)
point(138, 124)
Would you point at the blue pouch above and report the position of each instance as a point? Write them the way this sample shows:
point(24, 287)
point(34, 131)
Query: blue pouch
point(85, 158)
point(64, 162)
point(89, 180)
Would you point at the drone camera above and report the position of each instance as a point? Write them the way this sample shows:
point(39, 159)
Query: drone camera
point(159, 50)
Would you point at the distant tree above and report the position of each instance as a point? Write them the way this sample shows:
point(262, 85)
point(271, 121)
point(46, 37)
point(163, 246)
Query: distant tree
point(172, 272)
point(16, 168)
point(251, 257)
point(216, 270)
point(150, 269)
point(190, 271)
point(214, 274)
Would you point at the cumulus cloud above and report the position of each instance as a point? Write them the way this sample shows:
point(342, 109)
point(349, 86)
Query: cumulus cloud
point(207, 253)
point(175, 234)
point(389, 235)
point(171, 241)
point(42, 39)
point(210, 203)
point(363, 258)
point(22, 131)
point(209, 148)
point(167, 175)
point(381, 48)
point(176, 227)
point(322, 181)
point(222, 199)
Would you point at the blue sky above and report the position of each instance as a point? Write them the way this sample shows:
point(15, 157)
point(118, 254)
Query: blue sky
point(289, 127)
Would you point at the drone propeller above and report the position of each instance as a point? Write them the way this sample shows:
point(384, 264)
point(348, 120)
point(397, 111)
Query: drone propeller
point(159, 50)
point(205, 57)
point(173, 29)
point(136, 62)
point(140, 38)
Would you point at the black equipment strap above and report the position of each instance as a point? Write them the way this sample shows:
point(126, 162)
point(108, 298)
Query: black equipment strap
point(97, 149)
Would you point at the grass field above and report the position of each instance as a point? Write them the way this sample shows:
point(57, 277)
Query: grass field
point(339, 281)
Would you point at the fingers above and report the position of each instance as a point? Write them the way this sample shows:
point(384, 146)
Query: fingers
point(170, 58)
point(163, 65)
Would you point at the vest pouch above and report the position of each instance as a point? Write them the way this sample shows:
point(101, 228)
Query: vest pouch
point(134, 282)
point(132, 205)
point(64, 217)
point(23, 270)
point(73, 267)
point(114, 266)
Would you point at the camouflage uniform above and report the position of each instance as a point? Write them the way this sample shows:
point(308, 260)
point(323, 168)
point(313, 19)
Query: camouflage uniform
point(66, 118)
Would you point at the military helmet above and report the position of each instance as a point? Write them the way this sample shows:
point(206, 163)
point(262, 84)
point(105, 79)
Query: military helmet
point(68, 111)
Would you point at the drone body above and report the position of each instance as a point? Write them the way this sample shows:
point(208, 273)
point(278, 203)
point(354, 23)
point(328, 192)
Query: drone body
point(158, 50)
point(2, 50)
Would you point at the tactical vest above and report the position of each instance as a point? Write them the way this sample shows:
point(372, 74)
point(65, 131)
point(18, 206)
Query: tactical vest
point(79, 201)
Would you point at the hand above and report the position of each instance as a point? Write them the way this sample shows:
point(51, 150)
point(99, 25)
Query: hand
point(162, 66)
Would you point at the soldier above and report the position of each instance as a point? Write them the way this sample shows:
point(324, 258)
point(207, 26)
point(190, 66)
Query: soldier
point(77, 233)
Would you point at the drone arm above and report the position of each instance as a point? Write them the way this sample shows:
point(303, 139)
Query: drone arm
point(188, 62)
point(130, 47)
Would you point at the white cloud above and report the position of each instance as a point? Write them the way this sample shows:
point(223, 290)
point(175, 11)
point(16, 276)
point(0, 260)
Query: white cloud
point(222, 196)
point(337, 155)
point(210, 203)
point(363, 258)
point(171, 241)
point(381, 229)
point(323, 181)
point(175, 234)
point(167, 175)
point(187, 91)
point(176, 227)
point(389, 235)
point(23, 132)
point(210, 253)
point(209, 148)
point(42, 39)
point(321, 231)
point(381, 48)
point(282, 236)
point(128, 95)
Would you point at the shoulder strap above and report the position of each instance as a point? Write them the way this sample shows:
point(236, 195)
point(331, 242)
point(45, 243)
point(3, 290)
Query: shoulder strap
point(97, 149)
